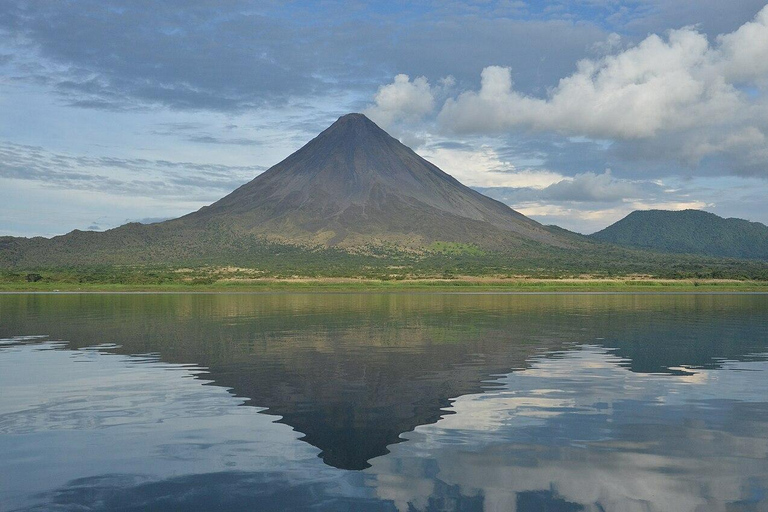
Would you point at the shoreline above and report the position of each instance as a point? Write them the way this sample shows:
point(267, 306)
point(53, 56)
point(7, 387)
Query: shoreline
point(459, 285)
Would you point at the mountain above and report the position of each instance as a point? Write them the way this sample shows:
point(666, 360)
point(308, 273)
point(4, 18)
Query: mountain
point(351, 187)
point(354, 183)
point(689, 231)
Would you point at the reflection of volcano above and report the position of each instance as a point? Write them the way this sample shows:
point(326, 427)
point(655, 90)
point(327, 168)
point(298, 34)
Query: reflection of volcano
point(353, 403)
point(354, 372)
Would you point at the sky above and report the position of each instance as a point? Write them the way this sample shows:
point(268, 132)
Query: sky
point(574, 113)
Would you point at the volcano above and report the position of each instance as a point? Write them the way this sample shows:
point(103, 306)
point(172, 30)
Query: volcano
point(353, 186)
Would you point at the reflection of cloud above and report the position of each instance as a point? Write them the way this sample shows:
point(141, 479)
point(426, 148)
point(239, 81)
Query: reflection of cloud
point(527, 410)
point(577, 427)
point(596, 434)
point(141, 417)
point(224, 490)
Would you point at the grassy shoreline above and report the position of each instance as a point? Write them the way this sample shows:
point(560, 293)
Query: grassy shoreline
point(459, 285)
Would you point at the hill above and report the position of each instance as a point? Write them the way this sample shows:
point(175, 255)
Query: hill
point(690, 232)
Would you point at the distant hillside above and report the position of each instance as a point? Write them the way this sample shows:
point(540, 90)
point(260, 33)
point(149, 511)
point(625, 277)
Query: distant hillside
point(689, 231)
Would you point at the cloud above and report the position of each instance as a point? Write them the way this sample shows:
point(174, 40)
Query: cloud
point(130, 176)
point(149, 220)
point(590, 201)
point(592, 187)
point(647, 16)
point(483, 167)
point(567, 215)
point(510, 440)
point(117, 55)
point(239, 56)
point(743, 54)
point(724, 196)
point(691, 98)
point(637, 94)
point(586, 202)
point(259, 66)
point(211, 139)
point(402, 99)
point(588, 218)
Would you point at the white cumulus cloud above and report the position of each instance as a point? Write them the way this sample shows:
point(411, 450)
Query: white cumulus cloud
point(483, 167)
point(680, 94)
point(403, 99)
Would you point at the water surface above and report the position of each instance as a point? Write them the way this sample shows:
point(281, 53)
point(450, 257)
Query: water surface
point(384, 402)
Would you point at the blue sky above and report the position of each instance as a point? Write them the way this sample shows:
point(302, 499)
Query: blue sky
point(574, 113)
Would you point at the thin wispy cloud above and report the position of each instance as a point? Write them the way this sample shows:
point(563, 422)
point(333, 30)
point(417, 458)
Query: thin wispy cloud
point(137, 177)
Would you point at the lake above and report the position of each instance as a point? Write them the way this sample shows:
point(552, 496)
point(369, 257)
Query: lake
point(407, 402)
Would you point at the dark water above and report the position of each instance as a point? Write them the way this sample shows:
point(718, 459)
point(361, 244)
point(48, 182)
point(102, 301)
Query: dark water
point(384, 402)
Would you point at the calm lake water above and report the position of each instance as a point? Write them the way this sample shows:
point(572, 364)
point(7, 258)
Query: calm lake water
point(384, 402)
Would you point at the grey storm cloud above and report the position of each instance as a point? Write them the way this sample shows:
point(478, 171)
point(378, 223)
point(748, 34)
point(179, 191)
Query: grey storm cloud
point(236, 55)
point(239, 55)
point(711, 16)
point(197, 56)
